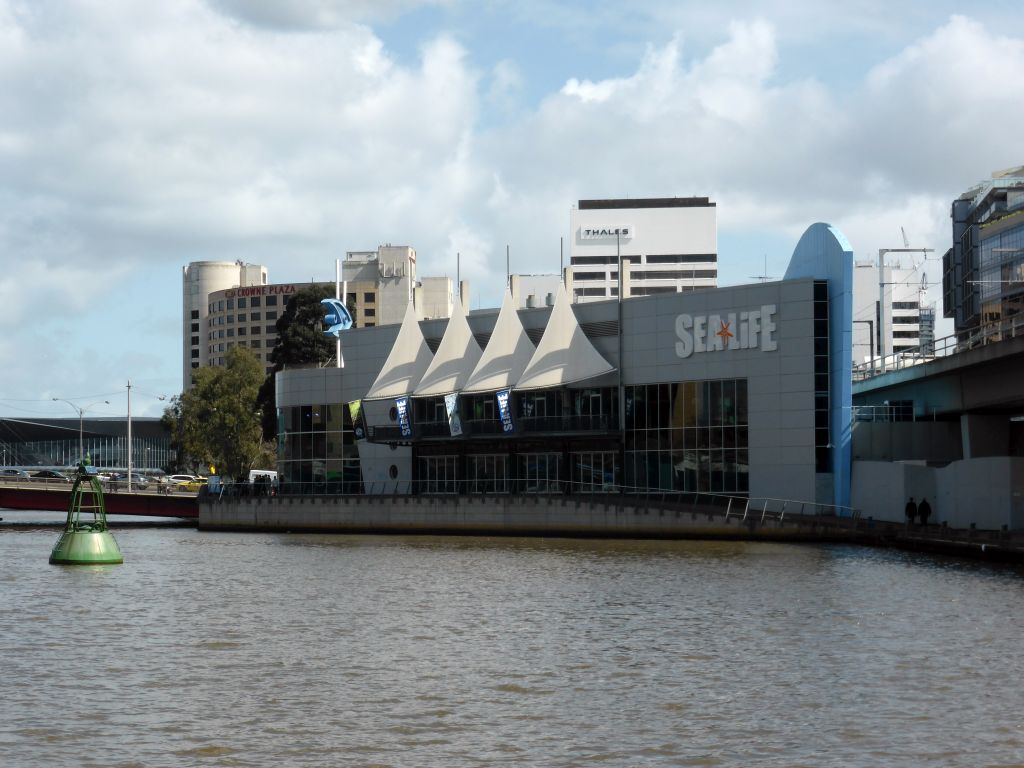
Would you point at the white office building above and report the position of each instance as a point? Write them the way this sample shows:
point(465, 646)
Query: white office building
point(907, 320)
point(670, 245)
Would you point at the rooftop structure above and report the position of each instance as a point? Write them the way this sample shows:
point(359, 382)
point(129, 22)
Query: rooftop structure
point(669, 244)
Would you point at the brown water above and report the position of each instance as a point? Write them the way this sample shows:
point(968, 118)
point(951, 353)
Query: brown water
point(299, 650)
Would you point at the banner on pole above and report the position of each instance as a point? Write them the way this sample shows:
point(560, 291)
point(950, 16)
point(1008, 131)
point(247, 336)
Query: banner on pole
point(404, 424)
point(355, 412)
point(451, 404)
point(505, 409)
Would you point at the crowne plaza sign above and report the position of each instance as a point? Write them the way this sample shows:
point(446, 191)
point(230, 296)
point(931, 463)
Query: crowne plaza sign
point(751, 329)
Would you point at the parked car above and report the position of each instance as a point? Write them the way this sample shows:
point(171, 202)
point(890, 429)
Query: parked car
point(51, 475)
point(138, 481)
point(180, 479)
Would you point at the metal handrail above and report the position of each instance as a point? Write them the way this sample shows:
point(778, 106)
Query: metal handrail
point(979, 336)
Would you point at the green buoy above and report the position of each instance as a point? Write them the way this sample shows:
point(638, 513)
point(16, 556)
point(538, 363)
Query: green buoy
point(84, 542)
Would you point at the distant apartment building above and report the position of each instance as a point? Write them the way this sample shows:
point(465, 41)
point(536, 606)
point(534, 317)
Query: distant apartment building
point(983, 272)
point(379, 285)
point(669, 245)
point(530, 291)
point(908, 322)
point(225, 308)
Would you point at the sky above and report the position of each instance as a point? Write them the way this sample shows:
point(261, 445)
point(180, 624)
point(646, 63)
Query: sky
point(137, 137)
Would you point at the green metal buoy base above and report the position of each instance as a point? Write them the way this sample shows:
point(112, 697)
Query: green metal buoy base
point(86, 548)
point(86, 543)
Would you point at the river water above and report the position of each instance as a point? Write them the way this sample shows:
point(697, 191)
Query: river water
point(215, 649)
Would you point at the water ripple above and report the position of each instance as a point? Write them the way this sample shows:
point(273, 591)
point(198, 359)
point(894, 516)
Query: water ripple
point(299, 650)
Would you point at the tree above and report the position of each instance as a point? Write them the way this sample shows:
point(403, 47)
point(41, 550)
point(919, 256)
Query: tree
point(300, 335)
point(217, 422)
point(300, 341)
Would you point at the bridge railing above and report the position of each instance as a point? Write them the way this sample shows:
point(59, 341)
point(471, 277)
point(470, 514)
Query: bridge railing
point(979, 336)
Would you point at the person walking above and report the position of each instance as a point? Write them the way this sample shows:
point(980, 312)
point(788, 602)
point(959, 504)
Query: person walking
point(911, 511)
point(924, 511)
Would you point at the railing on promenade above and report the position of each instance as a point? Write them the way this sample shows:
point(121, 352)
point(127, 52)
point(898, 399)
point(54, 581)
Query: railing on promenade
point(730, 506)
point(979, 336)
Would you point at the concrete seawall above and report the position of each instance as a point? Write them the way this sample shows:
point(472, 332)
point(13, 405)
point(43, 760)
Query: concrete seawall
point(609, 517)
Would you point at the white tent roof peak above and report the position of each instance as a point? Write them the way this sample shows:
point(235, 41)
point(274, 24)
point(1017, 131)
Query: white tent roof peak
point(454, 360)
point(507, 354)
point(565, 354)
point(410, 356)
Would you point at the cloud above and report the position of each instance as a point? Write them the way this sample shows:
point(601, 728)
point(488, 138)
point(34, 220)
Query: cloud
point(135, 138)
point(316, 14)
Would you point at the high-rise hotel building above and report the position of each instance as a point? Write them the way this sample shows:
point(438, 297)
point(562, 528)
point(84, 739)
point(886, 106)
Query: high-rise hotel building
point(199, 279)
point(670, 245)
point(229, 304)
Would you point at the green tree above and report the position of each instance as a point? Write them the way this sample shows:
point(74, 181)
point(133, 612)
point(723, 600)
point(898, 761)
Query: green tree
point(300, 334)
point(217, 421)
point(300, 341)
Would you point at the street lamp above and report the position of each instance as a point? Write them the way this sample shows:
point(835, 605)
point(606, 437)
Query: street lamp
point(81, 416)
point(871, 339)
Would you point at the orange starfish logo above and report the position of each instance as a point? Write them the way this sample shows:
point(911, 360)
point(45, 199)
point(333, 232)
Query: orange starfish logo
point(725, 333)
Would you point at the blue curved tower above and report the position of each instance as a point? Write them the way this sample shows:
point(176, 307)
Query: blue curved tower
point(824, 253)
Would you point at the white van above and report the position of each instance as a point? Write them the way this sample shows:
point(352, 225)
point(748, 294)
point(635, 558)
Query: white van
point(269, 474)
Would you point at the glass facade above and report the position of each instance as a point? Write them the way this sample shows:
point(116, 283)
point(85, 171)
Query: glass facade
point(1002, 272)
point(317, 450)
point(148, 453)
point(691, 436)
point(822, 434)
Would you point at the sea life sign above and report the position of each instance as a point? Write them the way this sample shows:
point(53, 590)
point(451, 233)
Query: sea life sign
point(752, 329)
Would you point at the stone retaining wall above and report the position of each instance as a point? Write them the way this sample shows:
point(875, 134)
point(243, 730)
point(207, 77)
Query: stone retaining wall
point(505, 515)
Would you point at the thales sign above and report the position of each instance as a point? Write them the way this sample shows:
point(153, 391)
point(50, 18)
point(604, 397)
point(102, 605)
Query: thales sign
point(604, 233)
point(753, 329)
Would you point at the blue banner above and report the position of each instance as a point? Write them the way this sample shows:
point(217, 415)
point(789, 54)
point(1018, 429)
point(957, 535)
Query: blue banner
point(451, 404)
point(505, 409)
point(404, 425)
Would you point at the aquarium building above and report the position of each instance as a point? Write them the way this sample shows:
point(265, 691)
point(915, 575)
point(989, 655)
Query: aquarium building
point(740, 390)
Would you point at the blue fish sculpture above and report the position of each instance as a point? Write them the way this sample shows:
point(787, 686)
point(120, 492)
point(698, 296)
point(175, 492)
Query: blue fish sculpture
point(336, 317)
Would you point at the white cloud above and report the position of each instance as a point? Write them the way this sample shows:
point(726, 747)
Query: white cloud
point(779, 155)
point(316, 14)
point(137, 137)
